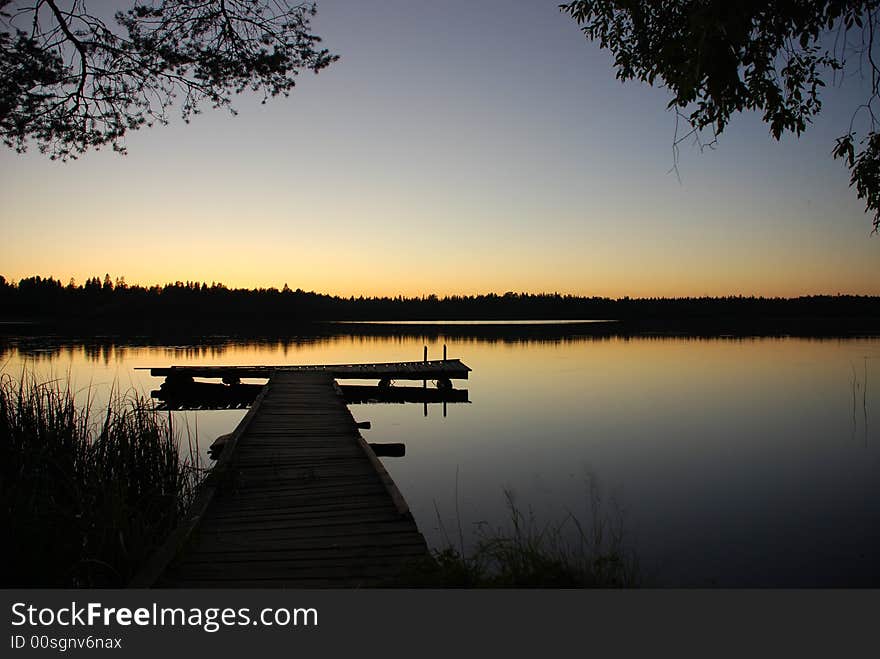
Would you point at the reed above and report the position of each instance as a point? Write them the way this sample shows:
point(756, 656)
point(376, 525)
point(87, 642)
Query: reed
point(586, 551)
point(86, 497)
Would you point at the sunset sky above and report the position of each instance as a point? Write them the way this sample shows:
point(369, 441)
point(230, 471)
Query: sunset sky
point(456, 147)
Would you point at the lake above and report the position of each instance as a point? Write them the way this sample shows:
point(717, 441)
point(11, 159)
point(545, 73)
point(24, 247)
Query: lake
point(727, 461)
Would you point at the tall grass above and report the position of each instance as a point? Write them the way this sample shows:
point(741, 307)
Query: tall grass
point(85, 497)
point(578, 552)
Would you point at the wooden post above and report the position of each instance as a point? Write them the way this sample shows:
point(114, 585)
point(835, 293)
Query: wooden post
point(444, 352)
point(425, 354)
point(425, 382)
point(444, 409)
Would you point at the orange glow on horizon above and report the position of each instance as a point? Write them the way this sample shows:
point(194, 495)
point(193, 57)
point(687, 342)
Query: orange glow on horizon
point(675, 289)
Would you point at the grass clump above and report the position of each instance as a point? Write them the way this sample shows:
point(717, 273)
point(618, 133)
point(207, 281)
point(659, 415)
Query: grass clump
point(569, 554)
point(85, 498)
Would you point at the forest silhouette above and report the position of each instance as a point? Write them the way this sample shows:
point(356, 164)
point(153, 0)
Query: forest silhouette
point(111, 302)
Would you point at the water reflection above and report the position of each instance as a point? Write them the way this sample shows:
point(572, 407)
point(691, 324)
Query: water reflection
point(107, 349)
point(736, 460)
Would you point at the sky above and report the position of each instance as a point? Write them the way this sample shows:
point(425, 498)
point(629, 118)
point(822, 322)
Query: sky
point(455, 148)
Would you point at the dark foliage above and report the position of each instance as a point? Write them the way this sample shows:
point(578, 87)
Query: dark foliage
point(718, 58)
point(85, 498)
point(73, 79)
point(183, 304)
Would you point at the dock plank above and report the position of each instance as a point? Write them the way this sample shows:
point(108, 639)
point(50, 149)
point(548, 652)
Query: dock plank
point(300, 500)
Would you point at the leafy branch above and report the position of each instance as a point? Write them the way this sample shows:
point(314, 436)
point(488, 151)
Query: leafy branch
point(71, 79)
point(718, 58)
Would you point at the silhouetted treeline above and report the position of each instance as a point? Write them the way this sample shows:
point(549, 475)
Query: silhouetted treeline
point(113, 301)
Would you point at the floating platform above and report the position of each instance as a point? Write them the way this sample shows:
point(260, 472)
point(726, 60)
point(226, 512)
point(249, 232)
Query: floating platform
point(439, 369)
point(214, 396)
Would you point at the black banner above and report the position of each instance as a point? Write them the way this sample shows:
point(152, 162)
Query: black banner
point(407, 623)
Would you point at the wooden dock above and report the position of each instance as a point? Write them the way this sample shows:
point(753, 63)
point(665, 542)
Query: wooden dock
point(297, 499)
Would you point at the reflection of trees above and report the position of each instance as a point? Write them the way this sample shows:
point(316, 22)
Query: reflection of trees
point(194, 349)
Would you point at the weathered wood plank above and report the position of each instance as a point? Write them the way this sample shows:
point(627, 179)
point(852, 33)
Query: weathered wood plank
point(314, 526)
point(246, 543)
point(301, 499)
point(300, 556)
point(337, 506)
point(379, 569)
point(318, 533)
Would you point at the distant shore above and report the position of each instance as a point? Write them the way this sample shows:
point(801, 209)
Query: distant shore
point(37, 305)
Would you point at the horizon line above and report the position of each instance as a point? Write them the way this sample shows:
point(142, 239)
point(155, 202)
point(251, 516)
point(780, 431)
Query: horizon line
point(192, 284)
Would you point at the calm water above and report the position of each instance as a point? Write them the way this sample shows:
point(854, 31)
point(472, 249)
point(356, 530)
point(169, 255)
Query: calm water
point(732, 462)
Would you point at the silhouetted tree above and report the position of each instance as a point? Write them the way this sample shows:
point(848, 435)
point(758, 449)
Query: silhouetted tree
point(92, 285)
point(71, 79)
point(233, 309)
point(720, 57)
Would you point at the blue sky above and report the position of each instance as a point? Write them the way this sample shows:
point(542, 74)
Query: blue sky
point(456, 147)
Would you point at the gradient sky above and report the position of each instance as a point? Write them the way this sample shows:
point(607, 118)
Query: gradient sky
point(456, 147)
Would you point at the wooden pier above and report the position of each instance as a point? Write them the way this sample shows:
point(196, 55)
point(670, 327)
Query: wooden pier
point(297, 497)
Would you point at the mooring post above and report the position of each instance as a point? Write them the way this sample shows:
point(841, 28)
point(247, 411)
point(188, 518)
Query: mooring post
point(425, 382)
point(444, 352)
